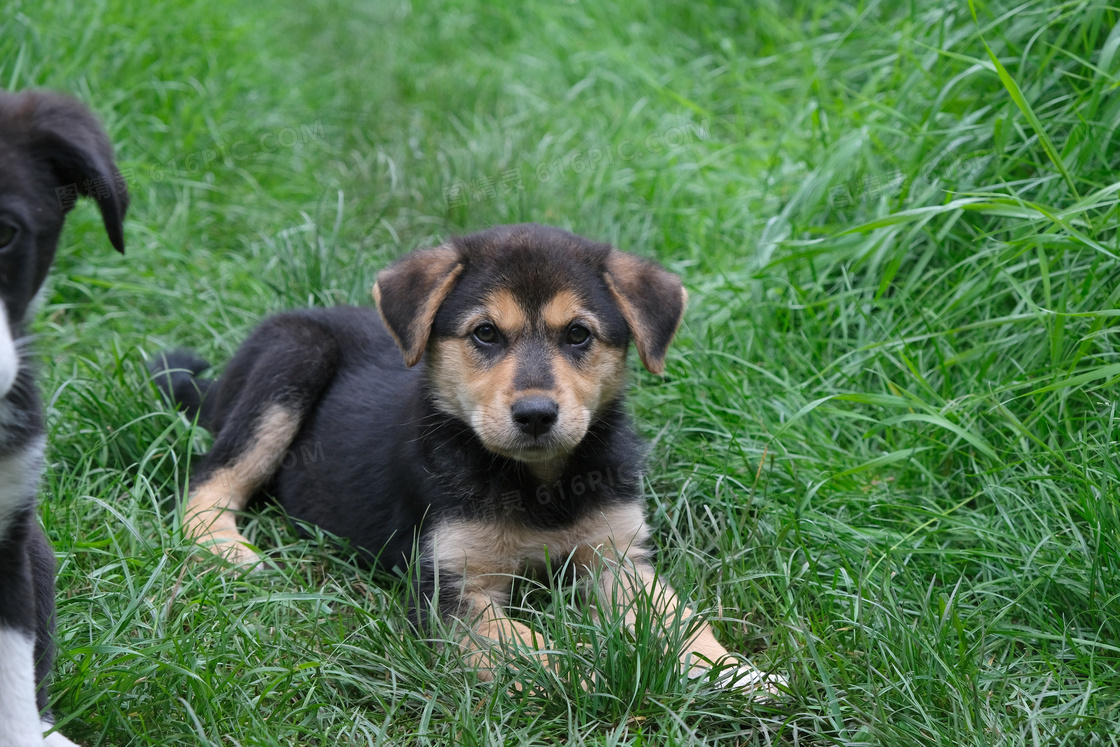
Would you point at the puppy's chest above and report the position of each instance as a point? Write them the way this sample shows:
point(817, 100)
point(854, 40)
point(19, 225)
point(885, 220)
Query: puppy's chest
point(550, 504)
point(474, 546)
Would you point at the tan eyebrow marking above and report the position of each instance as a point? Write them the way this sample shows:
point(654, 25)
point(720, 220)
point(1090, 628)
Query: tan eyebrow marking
point(506, 312)
point(564, 308)
point(502, 310)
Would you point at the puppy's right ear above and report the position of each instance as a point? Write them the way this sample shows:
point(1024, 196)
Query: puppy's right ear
point(409, 292)
point(67, 136)
point(652, 302)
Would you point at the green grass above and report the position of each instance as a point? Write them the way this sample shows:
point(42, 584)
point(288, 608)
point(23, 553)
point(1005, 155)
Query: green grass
point(885, 449)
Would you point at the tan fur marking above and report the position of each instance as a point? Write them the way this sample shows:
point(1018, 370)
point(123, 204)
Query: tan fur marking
point(492, 632)
point(483, 397)
point(506, 313)
point(422, 326)
point(620, 583)
point(637, 328)
point(625, 575)
point(449, 368)
point(208, 517)
point(467, 389)
point(485, 549)
point(597, 381)
point(599, 378)
point(562, 309)
point(623, 580)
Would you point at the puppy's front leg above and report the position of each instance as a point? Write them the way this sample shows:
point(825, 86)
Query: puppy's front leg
point(466, 575)
point(26, 650)
point(492, 632)
point(624, 577)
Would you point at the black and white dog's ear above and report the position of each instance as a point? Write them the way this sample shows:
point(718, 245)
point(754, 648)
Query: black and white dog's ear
point(409, 293)
point(67, 137)
point(652, 302)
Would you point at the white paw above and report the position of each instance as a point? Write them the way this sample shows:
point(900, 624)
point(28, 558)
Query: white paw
point(743, 677)
point(241, 556)
point(234, 550)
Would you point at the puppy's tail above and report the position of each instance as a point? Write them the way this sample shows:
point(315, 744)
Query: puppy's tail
point(176, 374)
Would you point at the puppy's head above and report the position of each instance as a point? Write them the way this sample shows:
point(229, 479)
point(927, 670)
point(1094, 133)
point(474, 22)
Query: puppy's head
point(526, 330)
point(52, 150)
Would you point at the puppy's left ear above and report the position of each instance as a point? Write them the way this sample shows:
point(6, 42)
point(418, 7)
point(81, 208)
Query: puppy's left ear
point(652, 302)
point(68, 137)
point(408, 295)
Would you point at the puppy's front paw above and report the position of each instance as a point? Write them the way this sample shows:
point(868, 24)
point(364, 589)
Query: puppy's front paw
point(55, 739)
point(743, 677)
point(234, 549)
point(240, 556)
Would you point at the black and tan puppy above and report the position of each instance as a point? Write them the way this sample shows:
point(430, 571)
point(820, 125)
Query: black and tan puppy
point(52, 150)
point(507, 449)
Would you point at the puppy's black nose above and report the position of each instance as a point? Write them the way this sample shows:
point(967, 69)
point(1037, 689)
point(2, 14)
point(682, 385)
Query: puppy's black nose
point(535, 416)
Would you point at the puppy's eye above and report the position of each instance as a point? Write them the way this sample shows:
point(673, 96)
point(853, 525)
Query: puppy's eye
point(487, 334)
point(7, 234)
point(577, 334)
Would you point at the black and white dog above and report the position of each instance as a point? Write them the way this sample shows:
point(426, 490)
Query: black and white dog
point(52, 150)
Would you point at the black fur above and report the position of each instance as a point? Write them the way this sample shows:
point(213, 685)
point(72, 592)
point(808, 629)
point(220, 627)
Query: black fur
point(26, 559)
point(375, 457)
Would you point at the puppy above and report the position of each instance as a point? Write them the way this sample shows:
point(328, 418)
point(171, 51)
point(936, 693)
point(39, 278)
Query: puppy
point(508, 449)
point(52, 150)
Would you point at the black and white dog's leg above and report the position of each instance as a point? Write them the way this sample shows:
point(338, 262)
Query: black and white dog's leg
point(41, 556)
point(26, 603)
point(19, 707)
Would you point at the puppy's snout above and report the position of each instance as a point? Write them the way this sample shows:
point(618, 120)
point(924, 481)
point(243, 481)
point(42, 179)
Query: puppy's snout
point(536, 415)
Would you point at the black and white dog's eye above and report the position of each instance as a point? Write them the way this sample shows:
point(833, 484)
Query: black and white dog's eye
point(577, 335)
point(487, 334)
point(7, 234)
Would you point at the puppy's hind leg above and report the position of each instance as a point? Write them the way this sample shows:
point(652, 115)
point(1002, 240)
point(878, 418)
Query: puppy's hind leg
point(269, 387)
point(223, 487)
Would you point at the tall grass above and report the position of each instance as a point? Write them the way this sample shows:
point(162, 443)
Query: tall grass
point(884, 451)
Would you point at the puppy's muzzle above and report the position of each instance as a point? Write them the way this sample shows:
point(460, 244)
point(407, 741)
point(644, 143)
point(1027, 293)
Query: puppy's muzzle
point(535, 415)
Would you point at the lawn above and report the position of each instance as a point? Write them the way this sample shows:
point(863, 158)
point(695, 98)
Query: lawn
point(884, 453)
